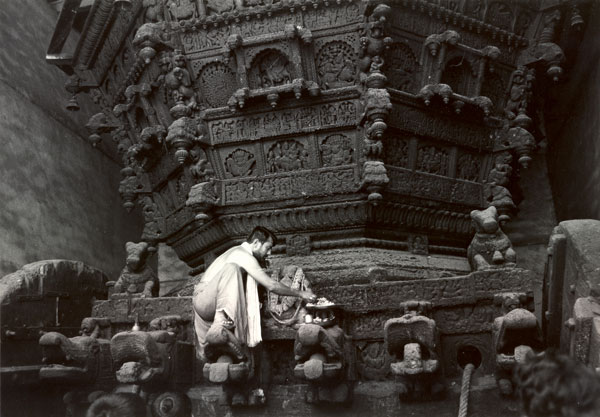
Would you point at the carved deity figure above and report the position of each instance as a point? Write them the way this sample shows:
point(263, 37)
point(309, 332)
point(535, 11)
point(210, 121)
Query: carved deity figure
point(285, 309)
point(374, 43)
point(490, 247)
point(182, 9)
point(287, 156)
point(273, 70)
point(498, 179)
point(179, 81)
point(336, 68)
point(336, 150)
point(240, 163)
point(319, 352)
point(137, 276)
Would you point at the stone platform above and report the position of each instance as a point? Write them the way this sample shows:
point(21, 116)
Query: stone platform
point(370, 399)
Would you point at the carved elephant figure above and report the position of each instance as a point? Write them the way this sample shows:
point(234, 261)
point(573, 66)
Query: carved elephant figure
point(490, 247)
point(137, 276)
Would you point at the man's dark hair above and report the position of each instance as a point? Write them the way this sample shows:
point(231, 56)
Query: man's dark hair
point(262, 234)
point(117, 405)
point(553, 385)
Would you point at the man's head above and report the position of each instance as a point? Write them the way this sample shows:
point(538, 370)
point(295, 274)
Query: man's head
point(552, 385)
point(261, 240)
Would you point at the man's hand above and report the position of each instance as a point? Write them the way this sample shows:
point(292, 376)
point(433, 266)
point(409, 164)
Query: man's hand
point(308, 296)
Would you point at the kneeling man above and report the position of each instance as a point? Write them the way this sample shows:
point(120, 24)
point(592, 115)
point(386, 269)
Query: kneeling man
point(226, 303)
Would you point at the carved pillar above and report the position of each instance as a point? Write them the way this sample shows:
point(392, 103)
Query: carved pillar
point(376, 101)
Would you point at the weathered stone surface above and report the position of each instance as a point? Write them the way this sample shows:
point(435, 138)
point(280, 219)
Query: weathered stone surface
point(370, 398)
point(53, 209)
point(45, 296)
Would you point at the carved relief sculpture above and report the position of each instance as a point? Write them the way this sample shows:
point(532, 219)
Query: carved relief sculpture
point(490, 248)
point(336, 65)
point(240, 163)
point(336, 150)
point(179, 82)
point(137, 277)
point(497, 192)
point(81, 360)
point(288, 310)
point(288, 155)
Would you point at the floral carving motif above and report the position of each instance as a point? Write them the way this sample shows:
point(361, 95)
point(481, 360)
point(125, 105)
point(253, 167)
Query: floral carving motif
point(468, 167)
point(287, 155)
point(336, 150)
point(336, 65)
point(240, 163)
point(433, 160)
point(217, 83)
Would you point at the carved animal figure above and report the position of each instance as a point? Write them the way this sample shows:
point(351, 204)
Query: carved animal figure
point(412, 339)
point(141, 357)
point(515, 334)
point(490, 247)
point(137, 276)
point(95, 327)
point(319, 352)
point(78, 359)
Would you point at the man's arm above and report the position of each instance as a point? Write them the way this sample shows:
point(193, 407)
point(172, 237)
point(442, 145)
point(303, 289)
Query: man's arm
point(255, 271)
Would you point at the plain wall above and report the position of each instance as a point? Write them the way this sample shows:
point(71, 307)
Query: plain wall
point(573, 129)
point(59, 196)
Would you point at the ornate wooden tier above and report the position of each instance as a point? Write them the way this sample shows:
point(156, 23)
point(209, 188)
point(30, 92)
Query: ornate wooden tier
point(328, 120)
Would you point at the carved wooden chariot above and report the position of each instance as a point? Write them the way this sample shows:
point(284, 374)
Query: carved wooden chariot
point(370, 136)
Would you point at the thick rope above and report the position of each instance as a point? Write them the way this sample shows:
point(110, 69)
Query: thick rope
point(464, 390)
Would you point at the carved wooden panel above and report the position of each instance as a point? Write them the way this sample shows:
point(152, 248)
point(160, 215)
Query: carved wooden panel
point(337, 149)
point(216, 83)
point(336, 65)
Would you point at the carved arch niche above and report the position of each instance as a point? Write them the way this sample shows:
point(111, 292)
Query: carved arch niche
point(459, 73)
point(336, 65)
point(216, 83)
point(402, 68)
point(270, 68)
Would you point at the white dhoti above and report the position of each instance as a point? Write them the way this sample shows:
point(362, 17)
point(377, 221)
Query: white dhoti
point(224, 292)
